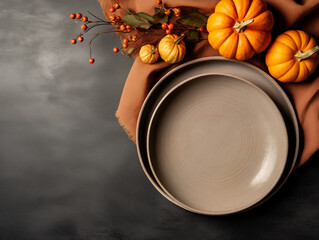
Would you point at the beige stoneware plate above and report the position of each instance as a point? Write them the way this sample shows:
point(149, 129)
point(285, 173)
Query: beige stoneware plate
point(217, 144)
point(221, 65)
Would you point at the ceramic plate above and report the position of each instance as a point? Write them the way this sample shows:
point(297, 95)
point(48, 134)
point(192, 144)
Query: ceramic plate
point(217, 144)
point(221, 65)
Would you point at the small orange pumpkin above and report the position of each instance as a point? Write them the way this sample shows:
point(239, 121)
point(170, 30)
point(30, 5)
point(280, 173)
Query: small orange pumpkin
point(240, 28)
point(293, 56)
point(172, 48)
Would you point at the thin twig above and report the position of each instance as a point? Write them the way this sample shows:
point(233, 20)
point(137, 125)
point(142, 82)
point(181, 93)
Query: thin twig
point(97, 22)
point(90, 27)
point(96, 16)
point(98, 34)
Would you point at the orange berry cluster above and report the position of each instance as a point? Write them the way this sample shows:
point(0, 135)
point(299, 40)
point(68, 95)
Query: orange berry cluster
point(83, 27)
point(119, 25)
point(168, 27)
point(114, 18)
point(117, 22)
point(125, 43)
point(124, 27)
point(177, 11)
point(114, 7)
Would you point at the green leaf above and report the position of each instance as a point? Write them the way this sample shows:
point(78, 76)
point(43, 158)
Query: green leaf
point(194, 19)
point(160, 19)
point(158, 10)
point(193, 35)
point(130, 51)
point(200, 15)
point(149, 18)
point(136, 21)
point(160, 16)
point(128, 11)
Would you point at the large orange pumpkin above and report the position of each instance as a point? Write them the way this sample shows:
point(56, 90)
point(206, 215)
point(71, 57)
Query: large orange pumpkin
point(293, 56)
point(240, 28)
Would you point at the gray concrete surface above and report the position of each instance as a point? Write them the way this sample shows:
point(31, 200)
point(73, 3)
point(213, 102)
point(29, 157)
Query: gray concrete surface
point(67, 169)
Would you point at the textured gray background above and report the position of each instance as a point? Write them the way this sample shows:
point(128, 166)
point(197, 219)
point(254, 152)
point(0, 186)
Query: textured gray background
point(67, 169)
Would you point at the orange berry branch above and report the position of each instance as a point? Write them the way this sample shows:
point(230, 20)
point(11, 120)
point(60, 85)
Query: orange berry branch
point(165, 21)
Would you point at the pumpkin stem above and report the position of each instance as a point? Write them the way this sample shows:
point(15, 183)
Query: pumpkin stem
point(179, 39)
point(242, 25)
point(153, 51)
point(303, 55)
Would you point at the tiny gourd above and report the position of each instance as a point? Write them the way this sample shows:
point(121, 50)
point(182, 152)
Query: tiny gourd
point(240, 28)
point(172, 48)
point(148, 53)
point(293, 56)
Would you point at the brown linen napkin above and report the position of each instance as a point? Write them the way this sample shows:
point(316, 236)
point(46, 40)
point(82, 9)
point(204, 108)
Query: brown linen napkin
point(288, 14)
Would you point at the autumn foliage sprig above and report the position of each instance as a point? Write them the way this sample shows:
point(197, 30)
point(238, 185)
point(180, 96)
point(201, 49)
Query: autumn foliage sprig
point(165, 21)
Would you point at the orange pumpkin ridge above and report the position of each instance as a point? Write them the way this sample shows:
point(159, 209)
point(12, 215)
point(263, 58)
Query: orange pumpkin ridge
point(148, 53)
point(172, 48)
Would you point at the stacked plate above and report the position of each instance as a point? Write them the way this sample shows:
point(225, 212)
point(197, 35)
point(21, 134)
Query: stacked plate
point(217, 136)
